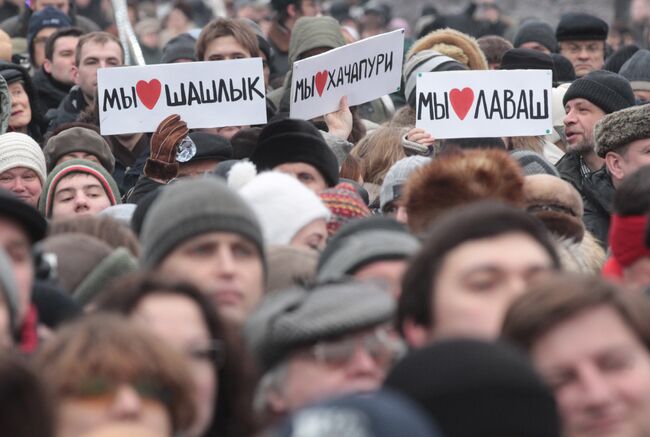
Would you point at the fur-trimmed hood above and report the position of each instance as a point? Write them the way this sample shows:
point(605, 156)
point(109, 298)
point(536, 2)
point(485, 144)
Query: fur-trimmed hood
point(455, 44)
point(586, 256)
point(457, 179)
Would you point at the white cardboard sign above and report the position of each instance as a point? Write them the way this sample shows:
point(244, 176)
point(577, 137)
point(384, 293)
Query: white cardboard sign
point(204, 94)
point(363, 71)
point(471, 104)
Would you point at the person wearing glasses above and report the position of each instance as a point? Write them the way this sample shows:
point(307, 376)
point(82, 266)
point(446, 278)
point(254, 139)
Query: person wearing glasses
point(581, 39)
point(315, 343)
point(186, 320)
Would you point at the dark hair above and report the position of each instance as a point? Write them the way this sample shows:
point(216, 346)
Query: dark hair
point(633, 196)
point(238, 29)
point(96, 37)
point(232, 415)
point(554, 299)
point(476, 221)
point(352, 168)
point(456, 144)
point(27, 409)
point(51, 41)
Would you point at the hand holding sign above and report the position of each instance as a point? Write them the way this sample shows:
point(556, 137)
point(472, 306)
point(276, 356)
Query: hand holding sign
point(339, 123)
point(420, 136)
point(162, 165)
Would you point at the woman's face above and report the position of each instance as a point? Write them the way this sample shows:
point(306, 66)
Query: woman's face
point(179, 322)
point(21, 111)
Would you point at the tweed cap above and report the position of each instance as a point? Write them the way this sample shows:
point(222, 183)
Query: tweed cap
point(620, 128)
point(192, 207)
point(362, 242)
point(299, 317)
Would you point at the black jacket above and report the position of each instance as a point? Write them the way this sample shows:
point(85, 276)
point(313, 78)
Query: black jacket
point(51, 92)
point(569, 168)
point(598, 197)
point(68, 110)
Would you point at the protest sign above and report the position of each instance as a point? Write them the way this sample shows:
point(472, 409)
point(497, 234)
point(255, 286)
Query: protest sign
point(471, 104)
point(363, 71)
point(204, 94)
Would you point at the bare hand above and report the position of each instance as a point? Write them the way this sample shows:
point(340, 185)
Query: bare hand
point(339, 123)
point(420, 136)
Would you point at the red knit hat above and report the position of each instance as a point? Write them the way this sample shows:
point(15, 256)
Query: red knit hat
point(345, 204)
point(627, 238)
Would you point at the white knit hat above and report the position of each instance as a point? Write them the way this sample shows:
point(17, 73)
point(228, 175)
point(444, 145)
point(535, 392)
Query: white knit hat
point(283, 205)
point(397, 176)
point(20, 150)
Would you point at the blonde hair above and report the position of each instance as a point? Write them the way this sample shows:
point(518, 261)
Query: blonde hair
point(378, 151)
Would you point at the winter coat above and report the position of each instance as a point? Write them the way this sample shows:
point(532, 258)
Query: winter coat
point(51, 92)
point(598, 198)
point(69, 109)
point(569, 168)
point(37, 124)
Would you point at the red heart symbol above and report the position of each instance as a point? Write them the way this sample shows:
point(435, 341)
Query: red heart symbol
point(461, 101)
point(321, 80)
point(149, 92)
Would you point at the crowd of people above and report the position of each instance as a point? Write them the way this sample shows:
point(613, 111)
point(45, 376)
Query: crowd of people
point(350, 275)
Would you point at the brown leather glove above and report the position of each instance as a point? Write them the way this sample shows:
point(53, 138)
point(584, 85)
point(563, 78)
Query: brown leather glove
point(162, 164)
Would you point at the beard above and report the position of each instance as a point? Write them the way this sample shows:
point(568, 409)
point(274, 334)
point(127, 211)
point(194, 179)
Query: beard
point(584, 146)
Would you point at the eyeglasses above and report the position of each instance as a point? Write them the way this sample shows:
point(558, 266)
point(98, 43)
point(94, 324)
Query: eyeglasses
point(382, 345)
point(104, 389)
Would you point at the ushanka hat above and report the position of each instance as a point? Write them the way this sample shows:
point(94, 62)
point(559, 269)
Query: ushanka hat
point(290, 141)
point(620, 128)
point(73, 166)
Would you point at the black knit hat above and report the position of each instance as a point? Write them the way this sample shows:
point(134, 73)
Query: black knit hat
point(475, 389)
point(292, 140)
point(179, 47)
point(609, 91)
point(536, 31)
point(23, 214)
point(527, 59)
point(581, 27)
point(563, 68)
point(209, 146)
point(616, 61)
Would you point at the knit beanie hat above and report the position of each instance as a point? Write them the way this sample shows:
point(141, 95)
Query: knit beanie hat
point(290, 266)
point(283, 205)
point(533, 163)
point(609, 91)
point(9, 289)
point(67, 168)
point(20, 150)
point(312, 32)
point(474, 389)
point(536, 31)
point(615, 62)
point(396, 177)
point(581, 27)
point(345, 205)
point(48, 17)
point(563, 68)
point(188, 208)
point(78, 139)
point(378, 414)
point(527, 59)
point(637, 70)
point(362, 242)
point(620, 128)
point(179, 47)
point(425, 61)
point(299, 317)
point(291, 140)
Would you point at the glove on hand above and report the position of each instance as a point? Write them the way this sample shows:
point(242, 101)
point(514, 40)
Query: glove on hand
point(162, 164)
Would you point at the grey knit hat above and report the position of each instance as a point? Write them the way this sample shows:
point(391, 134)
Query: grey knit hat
point(609, 91)
point(425, 61)
point(620, 128)
point(192, 207)
point(396, 177)
point(299, 317)
point(533, 163)
point(9, 289)
point(362, 242)
point(536, 31)
point(637, 70)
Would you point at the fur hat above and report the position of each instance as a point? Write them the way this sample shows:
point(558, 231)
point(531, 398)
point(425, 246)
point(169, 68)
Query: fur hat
point(455, 44)
point(290, 266)
point(425, 61)
point(620, 128)
point(454, 180)
point(556, 203)
point(494, 47)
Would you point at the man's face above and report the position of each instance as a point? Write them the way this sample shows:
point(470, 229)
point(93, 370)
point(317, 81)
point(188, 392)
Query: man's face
point(39, 45)
point(586, 56)
point(198, 168)
point(354, 363)
point(534, 45)
point(309, 8)
point(643, 95)
point(225, 266)
point(634, 157)
point(61, 67)
point(79, 194)
point(78, 155)
point(225, 48)
point(93, 57)
point(479, 279)
point(305, 173)
point(581, 118)
point(15, 241)
point(62, 5)
point(600, 373)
